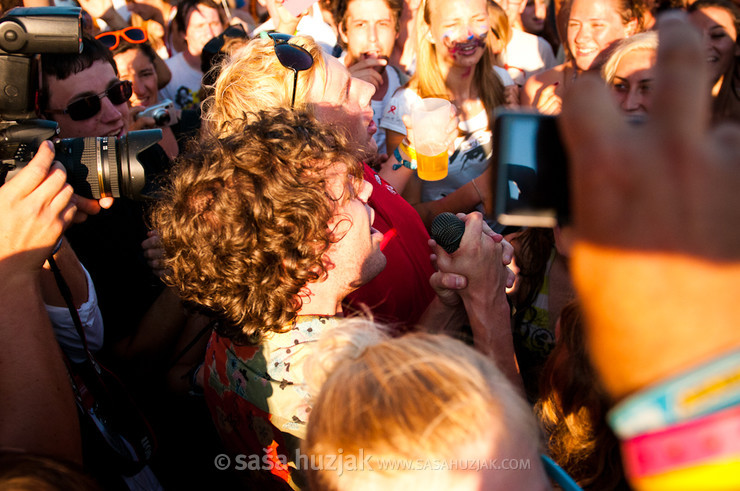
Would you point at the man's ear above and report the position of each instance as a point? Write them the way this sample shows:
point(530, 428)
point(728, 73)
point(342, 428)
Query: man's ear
point(343, 32)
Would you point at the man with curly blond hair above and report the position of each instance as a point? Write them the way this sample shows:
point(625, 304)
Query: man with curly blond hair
point(267, 229)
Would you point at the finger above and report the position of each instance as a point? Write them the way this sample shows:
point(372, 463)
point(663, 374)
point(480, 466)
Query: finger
point(31, 176)
point(448, 281)
point(508, 251)
point(86, 205)
point(681, 78)
point(510, 277)
point(50, 188)
point(473, 229)
point(590, 117)
point(406, 118)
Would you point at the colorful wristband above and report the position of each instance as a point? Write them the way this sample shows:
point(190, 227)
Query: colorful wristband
point(707, 440)
point(717, 476)
point(411, 164)
point(406, 147)
point(705, 389)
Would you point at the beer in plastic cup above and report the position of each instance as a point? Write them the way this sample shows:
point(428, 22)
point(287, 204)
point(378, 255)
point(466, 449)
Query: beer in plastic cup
point(429, 118)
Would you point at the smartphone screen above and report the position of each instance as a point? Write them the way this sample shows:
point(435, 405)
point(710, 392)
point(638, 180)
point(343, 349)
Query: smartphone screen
point(532, 184)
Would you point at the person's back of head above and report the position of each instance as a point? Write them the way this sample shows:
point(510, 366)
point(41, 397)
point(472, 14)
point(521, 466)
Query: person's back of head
point(409, 404)
point(244, 223)
point(253, 79)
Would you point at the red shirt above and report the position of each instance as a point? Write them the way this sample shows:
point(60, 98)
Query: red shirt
point(401, 292)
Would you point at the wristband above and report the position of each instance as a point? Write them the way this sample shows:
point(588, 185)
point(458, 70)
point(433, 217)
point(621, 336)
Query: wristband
point(704, 390)
point(717, 476)
point(708, 440)
point(406, 147)
point(57, 247)
point(403, 162)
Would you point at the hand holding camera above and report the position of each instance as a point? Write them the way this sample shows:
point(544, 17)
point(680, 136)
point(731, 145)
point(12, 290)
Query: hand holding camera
point(162, 114)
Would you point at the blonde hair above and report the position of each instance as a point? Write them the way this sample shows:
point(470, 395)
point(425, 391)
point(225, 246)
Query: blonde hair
point(428, 80)
point(401, 399)
point(252, 79)
point(647, 41)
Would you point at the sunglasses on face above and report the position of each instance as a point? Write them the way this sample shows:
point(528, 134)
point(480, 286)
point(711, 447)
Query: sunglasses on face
point(89, 106)
point(112, 39)
point(290, 56)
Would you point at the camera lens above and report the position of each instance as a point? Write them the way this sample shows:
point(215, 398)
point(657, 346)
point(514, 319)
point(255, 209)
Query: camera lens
point(161, 117)
point(107, 166)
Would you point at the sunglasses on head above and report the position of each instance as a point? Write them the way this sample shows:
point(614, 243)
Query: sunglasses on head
point(89, 106)
point(291, 56)
point(112, 39)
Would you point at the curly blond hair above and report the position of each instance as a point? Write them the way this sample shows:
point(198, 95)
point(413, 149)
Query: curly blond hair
point(244, 222)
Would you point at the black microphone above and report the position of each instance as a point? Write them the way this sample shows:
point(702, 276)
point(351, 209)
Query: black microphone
point(447, 231)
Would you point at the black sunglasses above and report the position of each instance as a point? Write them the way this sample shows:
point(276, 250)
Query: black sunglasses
point(89, 106)
point(291, 56)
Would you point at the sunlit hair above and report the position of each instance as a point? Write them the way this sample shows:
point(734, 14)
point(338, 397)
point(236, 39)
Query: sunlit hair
point(417, 396)
point(572, 411)
point(253, 79)
point(428, 80)
point(244, 223)
point(646, 41)
point(501, 29)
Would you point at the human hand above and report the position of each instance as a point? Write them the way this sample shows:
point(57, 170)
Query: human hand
point(282, 19)
point(37, 206)
point(451, 130)
point(511, 96)
point(139, 123)
point(154, 253)
point(367, 70)
point(481, 259)
point(550, 100)
point(669, 188)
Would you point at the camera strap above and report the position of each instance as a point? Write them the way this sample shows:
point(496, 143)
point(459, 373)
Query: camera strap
point(106, 407)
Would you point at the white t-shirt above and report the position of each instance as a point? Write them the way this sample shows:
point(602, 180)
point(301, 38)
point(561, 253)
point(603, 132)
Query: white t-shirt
point(92, 324)
point(393, 84)
point(527, 54)
point(185, 84)
point(472, 151)
point(503, 75)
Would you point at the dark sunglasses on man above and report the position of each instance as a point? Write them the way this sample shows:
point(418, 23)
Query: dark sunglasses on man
point(291, 56)
point(88, 106)
point(111, 39)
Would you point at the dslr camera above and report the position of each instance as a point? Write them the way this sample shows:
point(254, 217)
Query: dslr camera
point(96, 166)
point(163, 114)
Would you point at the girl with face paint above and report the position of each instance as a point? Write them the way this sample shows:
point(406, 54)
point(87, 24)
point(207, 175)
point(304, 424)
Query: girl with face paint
point(592, 27)
point(454, 62)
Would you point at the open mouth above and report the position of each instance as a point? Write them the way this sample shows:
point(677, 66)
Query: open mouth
point(371, 128)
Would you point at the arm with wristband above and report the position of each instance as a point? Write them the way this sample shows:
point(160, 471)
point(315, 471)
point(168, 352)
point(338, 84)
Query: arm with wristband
point(660, 295)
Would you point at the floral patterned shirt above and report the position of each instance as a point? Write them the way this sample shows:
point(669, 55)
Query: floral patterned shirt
point(258, 399)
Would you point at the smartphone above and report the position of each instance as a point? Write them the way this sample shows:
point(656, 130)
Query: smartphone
point(532, 180)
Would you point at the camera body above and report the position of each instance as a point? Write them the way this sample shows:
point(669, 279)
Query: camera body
point(163, 114)
point(96, 167)
point(532, 188)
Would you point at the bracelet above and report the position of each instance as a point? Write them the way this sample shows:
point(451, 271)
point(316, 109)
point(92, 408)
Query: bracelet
point(709, 439)
point(57, 247)
point(403, 162)
point(706, 389)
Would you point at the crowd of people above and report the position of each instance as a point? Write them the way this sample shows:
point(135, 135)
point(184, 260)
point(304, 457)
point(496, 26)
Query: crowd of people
point(273, 313)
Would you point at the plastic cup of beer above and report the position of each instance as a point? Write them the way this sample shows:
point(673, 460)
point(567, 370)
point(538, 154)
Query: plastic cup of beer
point(429, 118)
